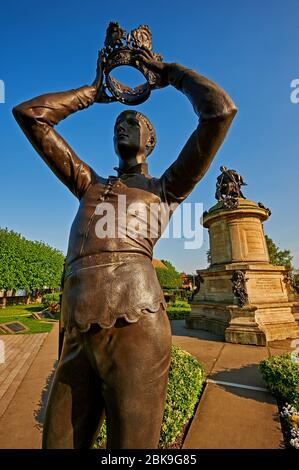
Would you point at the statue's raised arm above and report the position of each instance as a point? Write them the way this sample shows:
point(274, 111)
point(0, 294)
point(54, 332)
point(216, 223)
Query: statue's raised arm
point(37, 118)
point(215, 110)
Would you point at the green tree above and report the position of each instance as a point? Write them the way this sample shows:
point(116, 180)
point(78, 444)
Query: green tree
point(277, 256)
point(26, 264)
point(168, 277)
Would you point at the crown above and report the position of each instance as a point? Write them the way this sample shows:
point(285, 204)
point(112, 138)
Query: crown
point(119, 49)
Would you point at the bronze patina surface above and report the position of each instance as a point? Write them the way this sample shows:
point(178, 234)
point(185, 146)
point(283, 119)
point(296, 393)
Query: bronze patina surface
point(228, 187)
point(116, 349)
point(120, 48)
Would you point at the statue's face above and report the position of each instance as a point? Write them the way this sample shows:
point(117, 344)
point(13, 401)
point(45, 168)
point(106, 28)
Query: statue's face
point(131, 136)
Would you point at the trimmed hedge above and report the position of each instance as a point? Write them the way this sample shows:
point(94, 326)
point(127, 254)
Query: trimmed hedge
point(186, 378)
point(177, 313)
point(180, 303)
point(178, 310)
point(282, 376)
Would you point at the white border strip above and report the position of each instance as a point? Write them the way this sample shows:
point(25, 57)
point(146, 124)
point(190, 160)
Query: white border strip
point(230, 384)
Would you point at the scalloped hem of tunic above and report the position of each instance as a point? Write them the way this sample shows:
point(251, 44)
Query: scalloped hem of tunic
point(133, 318)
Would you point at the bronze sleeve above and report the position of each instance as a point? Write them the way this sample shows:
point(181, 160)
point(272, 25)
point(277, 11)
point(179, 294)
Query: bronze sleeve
point(37, 118)
point(216, 111)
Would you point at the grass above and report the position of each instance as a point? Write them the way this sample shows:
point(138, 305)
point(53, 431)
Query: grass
point(23, 314)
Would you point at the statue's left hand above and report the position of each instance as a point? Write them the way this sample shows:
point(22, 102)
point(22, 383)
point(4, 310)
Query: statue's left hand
point(156, 66)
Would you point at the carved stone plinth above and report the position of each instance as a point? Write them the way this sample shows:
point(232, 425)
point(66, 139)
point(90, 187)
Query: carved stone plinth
point(242, 296)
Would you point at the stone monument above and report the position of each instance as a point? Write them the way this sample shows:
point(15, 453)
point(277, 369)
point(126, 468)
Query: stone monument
point(242, 296)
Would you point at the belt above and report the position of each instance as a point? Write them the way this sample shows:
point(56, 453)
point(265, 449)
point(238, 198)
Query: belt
point(104, 259)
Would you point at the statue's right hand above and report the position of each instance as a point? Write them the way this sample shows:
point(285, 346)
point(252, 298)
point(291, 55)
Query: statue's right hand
point(101, 96)
point(100, 69)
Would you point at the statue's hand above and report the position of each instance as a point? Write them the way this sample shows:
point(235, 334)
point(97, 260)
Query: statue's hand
point(156, 66)
point(99, 70)
point(101, 96)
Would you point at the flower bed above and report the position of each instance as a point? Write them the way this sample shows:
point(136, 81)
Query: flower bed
point(281, 374)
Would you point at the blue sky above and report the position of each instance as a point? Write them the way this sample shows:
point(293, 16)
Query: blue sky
point(249, 47)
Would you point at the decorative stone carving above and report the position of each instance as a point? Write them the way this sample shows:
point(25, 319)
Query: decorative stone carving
point(239, 287)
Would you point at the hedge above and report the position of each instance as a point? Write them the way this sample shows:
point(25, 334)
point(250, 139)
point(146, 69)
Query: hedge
point(186, 378)
point(178, 313)
point(282, 376)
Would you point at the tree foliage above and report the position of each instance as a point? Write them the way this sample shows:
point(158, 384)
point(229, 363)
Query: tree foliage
point(26, 264)
point(168, 277)
point(277, 256)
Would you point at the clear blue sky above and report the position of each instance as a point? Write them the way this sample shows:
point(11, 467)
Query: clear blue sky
point(249, 47)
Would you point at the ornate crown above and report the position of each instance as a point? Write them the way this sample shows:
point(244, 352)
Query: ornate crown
point(118, 51)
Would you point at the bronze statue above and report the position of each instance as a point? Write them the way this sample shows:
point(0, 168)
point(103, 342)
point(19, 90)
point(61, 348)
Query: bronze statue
point(117, 342)
point(229, 184)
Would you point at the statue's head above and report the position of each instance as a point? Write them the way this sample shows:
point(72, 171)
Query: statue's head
point(223, 168)
point(134, 136)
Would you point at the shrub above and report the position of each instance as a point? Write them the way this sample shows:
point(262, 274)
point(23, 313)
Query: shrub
point(178, 313)
point(188, 295)
point(186, 378)
point(51, 301)
point(178, 310)
point(181, 303)
point(282, 376)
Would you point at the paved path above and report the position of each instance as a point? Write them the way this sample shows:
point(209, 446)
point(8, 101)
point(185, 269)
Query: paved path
point(19, 352)
point(235, 410)
point(21, 423)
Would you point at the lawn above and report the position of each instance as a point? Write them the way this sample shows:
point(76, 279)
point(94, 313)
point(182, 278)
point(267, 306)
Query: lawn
point(23, 314)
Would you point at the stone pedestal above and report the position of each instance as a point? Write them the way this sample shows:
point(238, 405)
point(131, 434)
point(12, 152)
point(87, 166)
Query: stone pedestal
point(242, 296)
